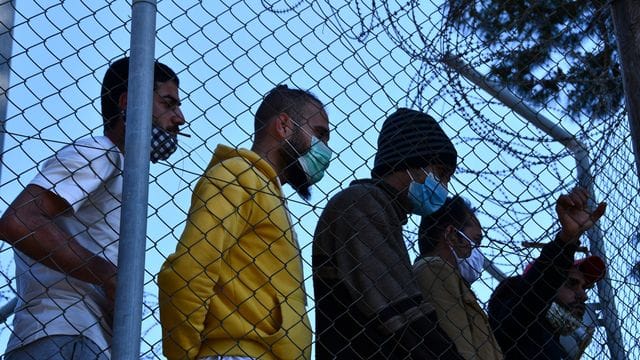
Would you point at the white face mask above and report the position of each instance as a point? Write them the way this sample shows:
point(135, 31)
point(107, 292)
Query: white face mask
point(470, 268)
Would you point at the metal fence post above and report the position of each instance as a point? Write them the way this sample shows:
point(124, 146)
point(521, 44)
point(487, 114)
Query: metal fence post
point(129, 297)
point(585, 179)
point(626, 23)
point(7, 14)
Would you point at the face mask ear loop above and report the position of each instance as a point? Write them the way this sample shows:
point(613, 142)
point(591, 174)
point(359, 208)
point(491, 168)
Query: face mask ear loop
point(410, 176)
point(298, 126)
point(292, 147)
point(451, 247)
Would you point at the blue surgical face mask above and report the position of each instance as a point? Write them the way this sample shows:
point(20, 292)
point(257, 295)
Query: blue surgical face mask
point(315, 161)
point(428, 197)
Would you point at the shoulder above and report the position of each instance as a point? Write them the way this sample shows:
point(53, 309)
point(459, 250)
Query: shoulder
point(364, 196)
point(97, 144)
point(506, 290)
point(89, 150)
point(433, 268)
point(88, 157)
point(231, 167)
point(236, 172)
point(432, 264)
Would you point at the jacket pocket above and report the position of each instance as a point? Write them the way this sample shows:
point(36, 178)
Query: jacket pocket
point(293, 339)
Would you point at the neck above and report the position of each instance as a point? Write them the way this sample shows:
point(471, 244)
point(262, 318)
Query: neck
point(445, 253)
point(399, 180)
point(116, 135)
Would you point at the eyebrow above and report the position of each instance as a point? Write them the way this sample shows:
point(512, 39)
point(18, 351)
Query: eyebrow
point(171, 100)
point(321, 131)
point(474, 240)
point(574, 281)
point(441, 171)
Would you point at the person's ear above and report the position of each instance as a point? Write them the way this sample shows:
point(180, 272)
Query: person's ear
point(283, 125)
point(450, 234)
point(122, 102)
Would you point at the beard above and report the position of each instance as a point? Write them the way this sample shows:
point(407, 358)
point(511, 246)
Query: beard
point(293, 171)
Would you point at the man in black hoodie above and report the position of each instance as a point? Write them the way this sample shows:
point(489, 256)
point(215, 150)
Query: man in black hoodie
point(368, 305)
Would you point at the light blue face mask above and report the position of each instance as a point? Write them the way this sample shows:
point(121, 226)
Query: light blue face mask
point(315, 161)
point(428, 197)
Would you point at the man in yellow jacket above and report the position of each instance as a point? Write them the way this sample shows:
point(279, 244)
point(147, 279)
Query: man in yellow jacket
point(234, 286)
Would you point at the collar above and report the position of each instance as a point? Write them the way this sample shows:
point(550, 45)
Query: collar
point(400, 201)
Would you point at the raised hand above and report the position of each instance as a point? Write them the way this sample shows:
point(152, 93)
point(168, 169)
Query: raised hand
point(574, 215)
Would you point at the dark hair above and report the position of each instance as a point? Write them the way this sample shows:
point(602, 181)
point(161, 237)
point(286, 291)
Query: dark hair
point(282, 99)
point(115, 84)
point(456, 211)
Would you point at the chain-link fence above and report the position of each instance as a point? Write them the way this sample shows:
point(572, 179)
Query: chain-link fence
point(556, 61)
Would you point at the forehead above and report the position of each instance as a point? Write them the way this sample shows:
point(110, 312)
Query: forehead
point(315, 114)
point(168, 88)
point(473, 224)
point(575, 275)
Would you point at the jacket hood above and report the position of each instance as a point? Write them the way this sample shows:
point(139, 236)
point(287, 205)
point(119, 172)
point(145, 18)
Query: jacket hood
point(224, 152)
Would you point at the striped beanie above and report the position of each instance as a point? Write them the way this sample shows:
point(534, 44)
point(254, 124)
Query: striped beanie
point(412, 139)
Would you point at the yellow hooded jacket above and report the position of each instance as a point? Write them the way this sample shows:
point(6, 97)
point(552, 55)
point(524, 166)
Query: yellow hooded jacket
point(234, 285)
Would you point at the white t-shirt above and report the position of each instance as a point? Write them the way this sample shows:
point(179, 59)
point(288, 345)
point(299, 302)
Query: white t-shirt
point(88, 175)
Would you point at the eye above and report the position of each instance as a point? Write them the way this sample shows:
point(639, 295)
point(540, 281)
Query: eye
point(322, 134)
point(170, 102)
point(572, 283)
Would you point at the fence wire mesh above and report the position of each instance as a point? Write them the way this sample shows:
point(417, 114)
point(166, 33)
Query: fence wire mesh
point(363, 60)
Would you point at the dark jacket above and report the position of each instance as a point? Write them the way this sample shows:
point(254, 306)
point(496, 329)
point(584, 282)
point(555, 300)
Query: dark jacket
point(368, 305)
point(518, 306)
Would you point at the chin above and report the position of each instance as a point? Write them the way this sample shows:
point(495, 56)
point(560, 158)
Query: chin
point(578, 313)
point(304, 192)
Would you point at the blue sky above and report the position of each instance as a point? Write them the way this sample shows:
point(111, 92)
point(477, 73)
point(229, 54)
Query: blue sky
point(228, 55)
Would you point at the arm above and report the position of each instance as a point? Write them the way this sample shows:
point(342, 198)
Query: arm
point(28, 225)
point(442, 287)
point(538, 285)
point(188, 277)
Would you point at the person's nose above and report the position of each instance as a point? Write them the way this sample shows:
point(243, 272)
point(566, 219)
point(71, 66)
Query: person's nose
point(581, 295)
point(178, 117)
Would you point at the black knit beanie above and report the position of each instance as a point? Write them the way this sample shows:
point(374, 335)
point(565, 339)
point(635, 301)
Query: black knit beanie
point(412, 139)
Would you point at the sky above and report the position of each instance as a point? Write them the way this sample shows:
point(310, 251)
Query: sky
point(228, 55)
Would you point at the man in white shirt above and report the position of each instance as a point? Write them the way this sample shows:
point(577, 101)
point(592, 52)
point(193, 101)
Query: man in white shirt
point(64, 227)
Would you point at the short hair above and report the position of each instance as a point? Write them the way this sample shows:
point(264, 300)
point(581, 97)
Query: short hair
point(282, 99)
point(115, 83)
point(456, 211)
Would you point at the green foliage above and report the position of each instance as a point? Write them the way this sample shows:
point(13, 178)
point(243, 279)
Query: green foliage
point(548, 50)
